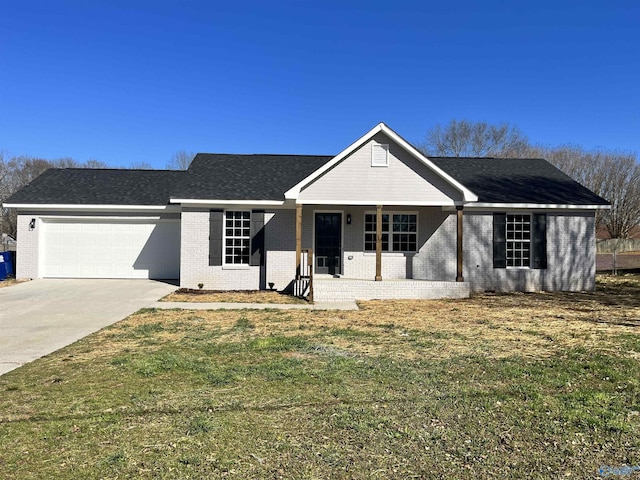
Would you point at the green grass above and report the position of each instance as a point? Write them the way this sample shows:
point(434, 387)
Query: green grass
point(309, 395)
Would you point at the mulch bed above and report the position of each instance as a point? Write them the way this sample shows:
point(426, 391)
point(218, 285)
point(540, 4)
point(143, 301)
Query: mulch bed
point(230, 296)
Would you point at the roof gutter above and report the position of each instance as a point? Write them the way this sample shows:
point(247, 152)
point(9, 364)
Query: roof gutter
point(545, 206)
point(66, 206)
point(192, 201)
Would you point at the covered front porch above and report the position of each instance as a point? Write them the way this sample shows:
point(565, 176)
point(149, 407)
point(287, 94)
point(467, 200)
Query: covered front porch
point(348, 252)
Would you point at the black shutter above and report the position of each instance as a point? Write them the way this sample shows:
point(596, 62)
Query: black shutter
point(539, 240)
point(257, 238)
point(499, 240)
point(215, 237)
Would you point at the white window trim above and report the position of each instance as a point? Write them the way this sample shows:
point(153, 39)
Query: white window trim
point(233, 266)
point(530, 241)
point(390, 232)
point(385, 148)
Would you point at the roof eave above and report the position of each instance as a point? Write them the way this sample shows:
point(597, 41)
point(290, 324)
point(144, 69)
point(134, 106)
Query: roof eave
point(540, 206)
point(211, 201)
point(386, 203)
point(71, 206)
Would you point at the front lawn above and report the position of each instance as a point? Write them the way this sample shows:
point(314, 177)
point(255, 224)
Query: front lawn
point(496, 386)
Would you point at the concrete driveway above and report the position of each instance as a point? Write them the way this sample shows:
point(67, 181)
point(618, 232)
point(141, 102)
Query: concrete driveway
point(41, 316)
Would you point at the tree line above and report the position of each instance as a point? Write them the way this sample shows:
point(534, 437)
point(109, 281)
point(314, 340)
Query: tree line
point(17, 171)
point(612, 174)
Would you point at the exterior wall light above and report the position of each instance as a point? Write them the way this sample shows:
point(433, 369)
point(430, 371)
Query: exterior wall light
point(32, 224)
point(348, 219)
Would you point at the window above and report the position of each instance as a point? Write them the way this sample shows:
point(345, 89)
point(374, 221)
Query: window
point(370, 232)
point(399, 235)
point(379, 155)
point(237, 237)
point(518, 240)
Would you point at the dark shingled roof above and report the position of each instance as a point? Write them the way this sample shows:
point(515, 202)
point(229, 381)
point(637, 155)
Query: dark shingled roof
point(245, 177)
point(509, 180)
point(268, 177)
point(83, 186)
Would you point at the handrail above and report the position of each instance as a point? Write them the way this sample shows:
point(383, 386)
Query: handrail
point(304, 277)
point(310, 272)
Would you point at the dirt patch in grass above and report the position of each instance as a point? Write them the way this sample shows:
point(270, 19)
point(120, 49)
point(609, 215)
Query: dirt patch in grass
point(233, 296)
point(8, 282)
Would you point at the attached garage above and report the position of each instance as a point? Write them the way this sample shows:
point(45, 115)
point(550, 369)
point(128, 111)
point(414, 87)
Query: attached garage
point(110, 248)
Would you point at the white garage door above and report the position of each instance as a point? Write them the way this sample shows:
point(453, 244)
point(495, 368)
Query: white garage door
point(111, 248)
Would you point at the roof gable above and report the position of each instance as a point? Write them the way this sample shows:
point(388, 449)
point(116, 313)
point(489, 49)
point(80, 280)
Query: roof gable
point(294, 192)
point(395, 178)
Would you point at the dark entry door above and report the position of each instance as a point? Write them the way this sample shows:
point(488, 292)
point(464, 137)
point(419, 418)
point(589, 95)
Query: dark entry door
point(328, 242)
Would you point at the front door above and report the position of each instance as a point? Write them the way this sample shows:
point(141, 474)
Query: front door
point(328, 242)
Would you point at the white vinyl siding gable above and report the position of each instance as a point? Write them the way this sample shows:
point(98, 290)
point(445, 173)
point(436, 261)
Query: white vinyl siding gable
point(405, 181)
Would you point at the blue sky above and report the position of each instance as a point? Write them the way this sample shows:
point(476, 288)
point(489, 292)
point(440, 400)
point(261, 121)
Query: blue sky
point(126, 81)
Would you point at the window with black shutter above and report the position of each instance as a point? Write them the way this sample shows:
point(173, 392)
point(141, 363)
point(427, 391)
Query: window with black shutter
point(519, 240)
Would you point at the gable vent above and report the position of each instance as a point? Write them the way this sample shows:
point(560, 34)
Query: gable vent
point(379, 155)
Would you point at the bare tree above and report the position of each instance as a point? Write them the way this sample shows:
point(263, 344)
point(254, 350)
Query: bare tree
point(140, 166)
point(473, 139)
point(611, 174)
point(4, 193)
point(14, 173)
point(93, 163)
point(180, 160)
point(617, 178)
point(17, 171)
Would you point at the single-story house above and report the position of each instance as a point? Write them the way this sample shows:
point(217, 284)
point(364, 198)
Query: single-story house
point(378, 220)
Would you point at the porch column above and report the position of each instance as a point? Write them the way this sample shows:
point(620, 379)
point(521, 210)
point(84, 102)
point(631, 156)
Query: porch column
point(298, 241)
point(378, 243)
point(459, 211)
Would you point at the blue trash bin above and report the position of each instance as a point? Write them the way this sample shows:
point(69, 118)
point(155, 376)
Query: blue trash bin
point(6, 265)
point(3, 267)
point(9, 263)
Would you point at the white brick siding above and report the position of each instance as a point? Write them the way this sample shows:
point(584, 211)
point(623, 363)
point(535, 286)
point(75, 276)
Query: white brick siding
point(343, 290)
point(570, 256)
point(570, 252)
point(194, 263)
point(28, 247)
point(280, 245)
